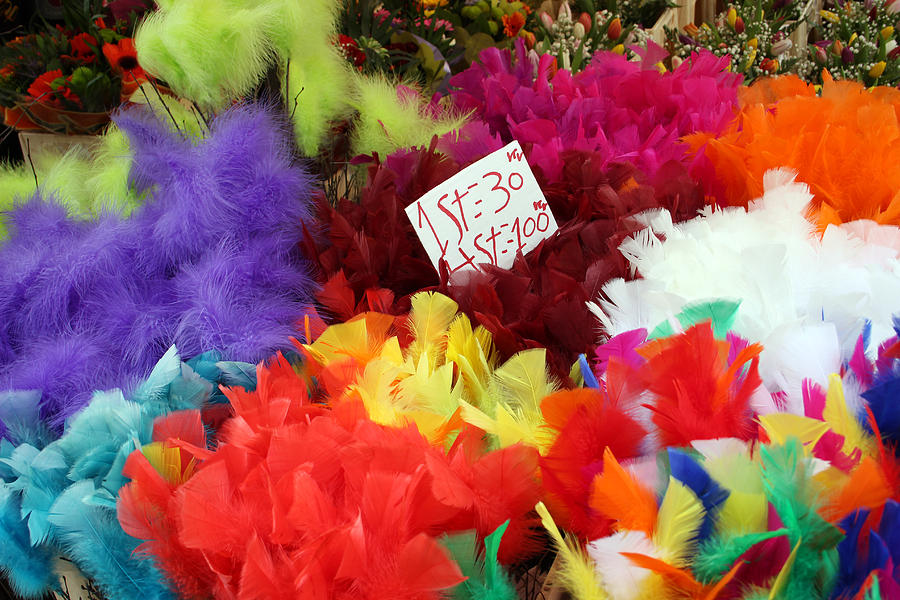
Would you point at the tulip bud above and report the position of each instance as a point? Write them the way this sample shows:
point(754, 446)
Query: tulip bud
point(887, 33)
point(769, 65)
point(877, 69)
point(546, 21)
point(894, 54)
point(820, 55)
point(731, 17)
point(691, 29)
point(781, 46)
point(578, 31)
point(619, 49)
point(565, 10)
point(585, 19)
point(847, 55)
point(753, 43)
point(615, 29)
point(837, 47)
point(739, 25)
point(829, 16)
point(530, 40)
point(852, 39)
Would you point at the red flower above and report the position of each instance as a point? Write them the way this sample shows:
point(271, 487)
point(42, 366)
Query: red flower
point(82, 44)
point(82, 50)
point(7, 70)
point(41, 89)
point(513, 23)
point(351, 50)
point(48, 89)
point(123, 59)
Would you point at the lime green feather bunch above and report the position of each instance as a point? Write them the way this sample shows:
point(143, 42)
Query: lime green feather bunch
point(216, 51)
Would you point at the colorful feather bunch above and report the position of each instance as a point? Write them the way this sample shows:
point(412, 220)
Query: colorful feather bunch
point(623, 111)
point(706, 514)
point(59, 496)
point(843, 143)
point(209, 262)
point(309, 497)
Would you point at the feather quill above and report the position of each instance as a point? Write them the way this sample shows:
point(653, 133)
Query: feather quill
point(576, 573)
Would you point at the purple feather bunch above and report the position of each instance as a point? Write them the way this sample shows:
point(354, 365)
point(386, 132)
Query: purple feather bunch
point(210, 262)
point(625, 111)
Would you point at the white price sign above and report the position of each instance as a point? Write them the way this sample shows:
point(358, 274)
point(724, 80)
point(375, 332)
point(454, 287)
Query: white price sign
point(484, 214)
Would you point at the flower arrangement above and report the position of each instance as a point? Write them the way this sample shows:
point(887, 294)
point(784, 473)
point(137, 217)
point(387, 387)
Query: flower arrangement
point(858, 40)
point(64, 71)
point(400, 39)
point(756, 35)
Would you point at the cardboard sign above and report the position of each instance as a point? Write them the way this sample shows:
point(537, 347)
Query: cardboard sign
point(484, 214)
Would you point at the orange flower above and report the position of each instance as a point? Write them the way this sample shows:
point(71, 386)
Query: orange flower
point(123, 59)
point(513, 23)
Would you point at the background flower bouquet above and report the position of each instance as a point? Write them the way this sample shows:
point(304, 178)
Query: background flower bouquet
point(755, 34)
point(856, 40)
point(67, 79)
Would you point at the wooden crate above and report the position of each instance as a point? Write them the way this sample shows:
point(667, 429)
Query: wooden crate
point(673, 18)
point(37, 144)
point(810, 15)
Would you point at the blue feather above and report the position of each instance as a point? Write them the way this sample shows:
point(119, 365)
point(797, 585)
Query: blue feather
point(867, 333)
point(206, 365)
point(856, 564)
point(238, 374)
point(41, 477)
point(28, 569)
point(587, 374)
point(93, 539)
point(882, 399)
point(686, 470)
point(155, 389)
point(20, 420)
point(889, 529)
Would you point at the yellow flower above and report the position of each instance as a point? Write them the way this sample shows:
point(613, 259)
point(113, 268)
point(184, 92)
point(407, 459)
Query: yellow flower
point(619, 49)
point(829, 16)
point(852, 39)
point(877, 69)
point(753, 43)
point(887, 33)
point(731, 17)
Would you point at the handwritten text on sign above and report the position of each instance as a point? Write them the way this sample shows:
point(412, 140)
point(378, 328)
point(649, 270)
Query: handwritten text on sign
point(486, 213)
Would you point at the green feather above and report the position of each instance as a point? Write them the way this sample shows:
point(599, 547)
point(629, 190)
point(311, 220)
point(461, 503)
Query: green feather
point(486, 578)
point(722, 314)
point(718, 554)
point(787, 479)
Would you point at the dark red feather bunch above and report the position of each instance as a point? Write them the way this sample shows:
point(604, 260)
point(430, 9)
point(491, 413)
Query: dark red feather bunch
point(300, 500)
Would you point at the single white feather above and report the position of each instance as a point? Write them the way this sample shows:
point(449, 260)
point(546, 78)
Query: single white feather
point(622, 579)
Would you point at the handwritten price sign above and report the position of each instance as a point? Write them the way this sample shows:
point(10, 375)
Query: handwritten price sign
point(486, 213)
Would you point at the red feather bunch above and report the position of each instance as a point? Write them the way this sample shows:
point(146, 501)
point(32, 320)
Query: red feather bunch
point(588, 424)
point(302, 500)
